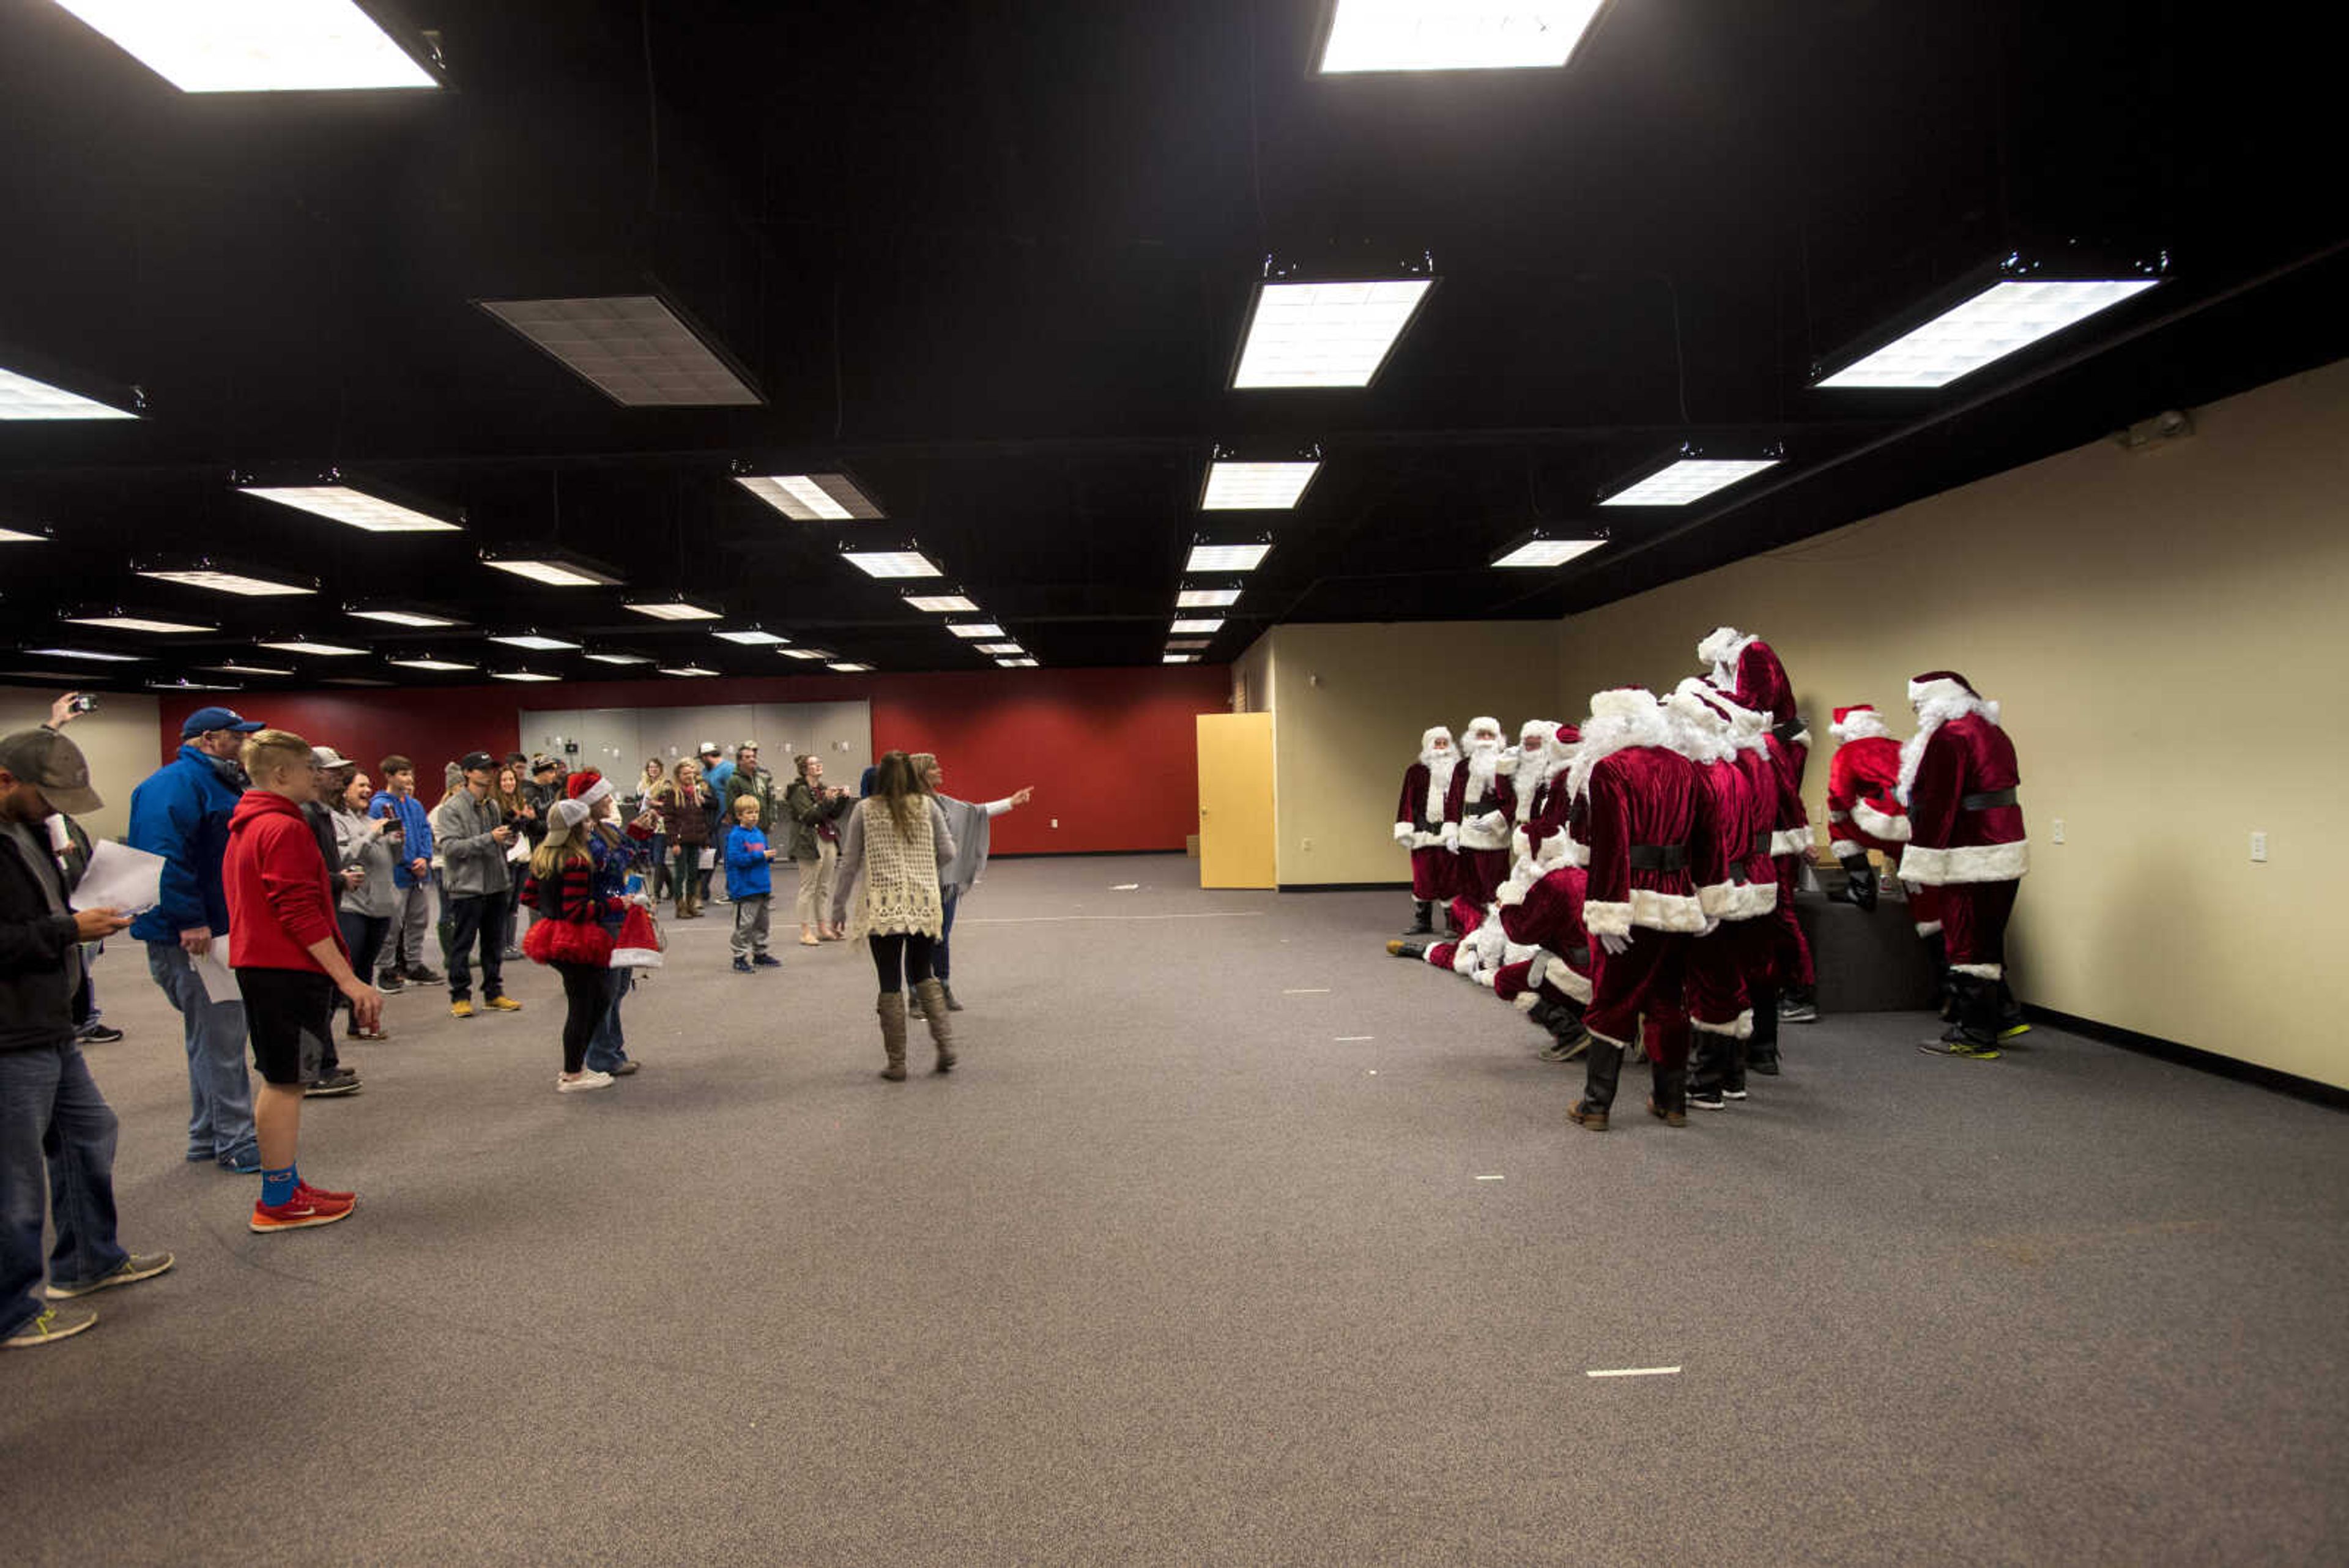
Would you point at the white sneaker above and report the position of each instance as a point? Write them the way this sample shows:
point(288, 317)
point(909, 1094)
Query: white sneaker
point(591, 1079)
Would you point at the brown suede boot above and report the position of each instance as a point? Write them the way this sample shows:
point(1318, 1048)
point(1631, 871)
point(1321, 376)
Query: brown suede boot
point(932, 996)
point(892, 1011)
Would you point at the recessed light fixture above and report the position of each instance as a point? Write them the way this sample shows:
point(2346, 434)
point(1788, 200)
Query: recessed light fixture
point(689, 670)
point(810, 653)
point(1178, 659)
point(185, 684)
point(121, 619)
point(637, 349)
point(244, 670)
point(538, 676)
point(1336, 334)
point(1185, 644)
point(92, 654)
point(955, 603)
point(674, 609)
point(1016, 663)
point(810, 497)
point(1256, 486)
point(257, 46)
point(1207, 557)
point(1538, 551)
point(427, 661)
point(225, 578)
point(351, 680)
point(907, 563)
point(21, 537)
point(1687, 477)
point(1454, 34)
point(401, 615)
point(340, 501)
point(23, 397)
point(1995, 312)
point(1206, 598)
point(618, 656)
point(752, 637)
point(1012, 648)
point(554, 567)
point(848, 666)
point(321, 650)
point(535, 642)
point(1197, 624)
point(974, 628)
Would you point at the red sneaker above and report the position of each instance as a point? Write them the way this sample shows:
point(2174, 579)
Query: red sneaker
point(297, 1212)
point(324, 1194)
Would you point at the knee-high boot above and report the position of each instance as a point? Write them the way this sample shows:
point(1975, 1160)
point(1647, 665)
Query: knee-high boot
point(1603, 1068)
point(1945, 998)
point(932, 993)
point(1422, 917)
point(1403, 947)
point(1762, 1047)
point(892, 1011)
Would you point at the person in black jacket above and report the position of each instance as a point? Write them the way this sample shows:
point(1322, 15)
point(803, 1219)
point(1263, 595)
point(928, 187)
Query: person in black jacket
point(57, 1131)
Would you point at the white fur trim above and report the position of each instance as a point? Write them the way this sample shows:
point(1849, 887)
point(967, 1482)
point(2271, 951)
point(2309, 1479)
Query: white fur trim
point(1923, 692)
point(1639, 722)
point(1928, 928)
point(1621, 701)
point(1449, 836)
point(1979, 971)
point(1870, 821)
point(1649, 910)
point(1864, 724)
point(1937, 702)
point(600, 790)
point(1791, 841)
point(1526, 1000)
point(636, 957)
point(1521, 881)
point(1738, 900)
point(1576, 987)
point(1427, 840)
point(1850, 850)
point(1490, 831)
point(1966, 862)
point(1738, 1028)
point(1487, 977)
point(1464, 957)
point(1720, 647)
point(1521, 848)
point(1518, 952)
point(1606, 920)
point(1405, 832)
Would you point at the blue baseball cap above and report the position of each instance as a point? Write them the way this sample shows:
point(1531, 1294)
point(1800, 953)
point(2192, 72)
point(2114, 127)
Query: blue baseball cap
point(208, 719)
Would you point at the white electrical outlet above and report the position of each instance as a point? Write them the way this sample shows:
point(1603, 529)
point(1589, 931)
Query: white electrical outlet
point(2059, 830)
point(2259, 847)
point(1304, 844)
point(1056, 822)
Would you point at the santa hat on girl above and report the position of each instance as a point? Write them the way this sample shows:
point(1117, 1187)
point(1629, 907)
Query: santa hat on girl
point(1858, 723)
point(587, 786)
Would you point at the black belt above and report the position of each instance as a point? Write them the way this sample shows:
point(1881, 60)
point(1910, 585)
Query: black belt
point(1577, 957)
point(1789, 729)
point(1659, 857)
point(1989, 800)
point(1761, 842)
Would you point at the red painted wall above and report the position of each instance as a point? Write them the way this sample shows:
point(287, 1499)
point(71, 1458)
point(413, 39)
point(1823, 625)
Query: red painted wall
point(1113, 753)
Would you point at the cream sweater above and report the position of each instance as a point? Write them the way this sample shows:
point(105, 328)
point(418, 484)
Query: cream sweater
point(892, 879)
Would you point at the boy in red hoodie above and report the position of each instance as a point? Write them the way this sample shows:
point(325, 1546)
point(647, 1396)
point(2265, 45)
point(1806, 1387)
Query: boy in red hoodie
point(287, 951)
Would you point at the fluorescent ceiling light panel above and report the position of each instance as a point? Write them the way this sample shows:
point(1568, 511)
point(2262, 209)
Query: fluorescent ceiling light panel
point(1690, 479)
point(535, 642)
point(803, 653)
point(892, 562)
point(93, 655)
point(522, 675)
point(970, 629)
point(1226, 558)
point(323, 650)
point(942, 604)
point(1325, 334)
point(2000, 320)
point(11, 536)
point(849, 667)
point(1197, 624)
point(433, 663)
point(244, 670)
point(23, 397)
point(120, 622)
point(1454, 34)
point(1256, 486)
point(1186, 645)
point(685, 669)
point(810, 497)
point(632, 347)
point(221, 580)
point(1549, 551)
point(342, 503)
point(613, 656)
point(256, 46)
point(1206, 598)
point(675, 610)
point(351, 680)
point(1010, 647)
point(752, 637)
point(185, 684)
point(1016, 663)
point(403, 617)
point(1178, 659)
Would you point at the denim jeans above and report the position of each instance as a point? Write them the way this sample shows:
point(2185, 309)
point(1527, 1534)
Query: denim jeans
point(941, 951)
point(52, 1116)
point(477, 916)
point(220, 1096)
point(608, 1046)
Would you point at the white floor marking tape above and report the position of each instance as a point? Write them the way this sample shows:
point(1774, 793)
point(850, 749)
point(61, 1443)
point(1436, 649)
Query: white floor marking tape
point(1492, 1178)
point(1636, 1372)
point(1055, 919)
point(1307, 991)
point(1126, 886)
point(1353, 1039)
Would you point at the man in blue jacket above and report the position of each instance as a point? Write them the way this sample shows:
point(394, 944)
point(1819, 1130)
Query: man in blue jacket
point(411, 877)
point(181, 814)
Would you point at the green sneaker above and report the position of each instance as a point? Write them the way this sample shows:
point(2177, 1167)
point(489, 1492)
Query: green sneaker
point(1966, 1048)
point(130, 1272)
point(51, 1326)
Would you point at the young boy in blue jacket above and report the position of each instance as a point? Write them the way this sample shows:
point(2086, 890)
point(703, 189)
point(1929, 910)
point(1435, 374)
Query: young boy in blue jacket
point(748, 883)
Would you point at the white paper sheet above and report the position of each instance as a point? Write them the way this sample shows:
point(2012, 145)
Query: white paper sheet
point(519, 852)
point(220, 981)
point(120, 878)
point(709, 859)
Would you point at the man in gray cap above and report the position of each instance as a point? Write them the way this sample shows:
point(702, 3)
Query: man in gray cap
point(471, 830)
point(56, 1128)
point(335, 771)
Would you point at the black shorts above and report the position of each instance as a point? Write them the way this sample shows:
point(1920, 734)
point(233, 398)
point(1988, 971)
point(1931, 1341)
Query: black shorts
point(289, 1013)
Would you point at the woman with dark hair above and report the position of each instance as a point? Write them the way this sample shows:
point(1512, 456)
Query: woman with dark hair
point(816, 811)
point(685, 804)
point(895, 841)
point(522, 816)
point(646, 798)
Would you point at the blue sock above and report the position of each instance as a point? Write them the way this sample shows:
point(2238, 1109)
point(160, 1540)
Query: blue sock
point(278, 1187)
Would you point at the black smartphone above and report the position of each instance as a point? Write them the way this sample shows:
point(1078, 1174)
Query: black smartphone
point(83, 703)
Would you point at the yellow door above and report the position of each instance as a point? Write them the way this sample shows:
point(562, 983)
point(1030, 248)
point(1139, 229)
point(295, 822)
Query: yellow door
point(1235, 800)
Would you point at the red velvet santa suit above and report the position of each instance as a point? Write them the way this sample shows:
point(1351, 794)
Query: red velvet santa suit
point(1644, 814)
point(1541, 909)
point(1541, 834)
point(1526, 784)
point(1749, 670)
point(1478, 814)
point(1419, 815)
point(1864, 809)
point(1737, 883)
point(1958, 779)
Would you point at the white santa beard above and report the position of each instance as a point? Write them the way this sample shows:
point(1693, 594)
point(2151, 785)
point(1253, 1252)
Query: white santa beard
point(1439, 784)
point(1929, 719)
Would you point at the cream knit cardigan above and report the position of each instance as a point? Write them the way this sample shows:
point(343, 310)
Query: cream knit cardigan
point(895, 877)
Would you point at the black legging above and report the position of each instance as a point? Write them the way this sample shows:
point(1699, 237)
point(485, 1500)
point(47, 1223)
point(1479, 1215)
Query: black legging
point(901, 952)
point(583, 994)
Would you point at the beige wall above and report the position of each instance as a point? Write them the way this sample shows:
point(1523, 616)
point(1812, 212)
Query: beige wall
point(119, 739)
point(2168, 631)
point(1349, 702)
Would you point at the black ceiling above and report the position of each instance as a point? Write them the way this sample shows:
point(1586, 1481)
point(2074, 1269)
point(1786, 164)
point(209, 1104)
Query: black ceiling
point(994, 261)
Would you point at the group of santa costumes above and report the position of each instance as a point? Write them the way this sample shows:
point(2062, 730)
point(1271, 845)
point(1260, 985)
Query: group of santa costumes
point(1652, 856)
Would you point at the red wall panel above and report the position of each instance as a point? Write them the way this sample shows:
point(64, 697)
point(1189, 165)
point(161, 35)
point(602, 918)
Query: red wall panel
point(1112, 753)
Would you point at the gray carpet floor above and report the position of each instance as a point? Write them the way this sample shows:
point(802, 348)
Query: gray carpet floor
point(1232, 1240)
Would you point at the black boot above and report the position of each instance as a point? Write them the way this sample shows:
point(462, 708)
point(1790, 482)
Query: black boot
point(1601, 1071)
point(1976, 1033)
point(1669, 1101)
point(1422, 917)
point(1404, 947)
point(1762, 1049)
point(1709, 1070)
point(1569, 1038)
point(1859, 882)
point(1945, 997)
point(2010, 1020)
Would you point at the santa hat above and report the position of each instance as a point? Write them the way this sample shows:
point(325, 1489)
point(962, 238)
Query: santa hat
point(1623, 700)
point(1720, 647)
point(1696, 700)
point(1940, 685)
point(1481, 724)
point(1563, 739)
point(1433, 733)
point(1857, 722)
point(587, 786)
